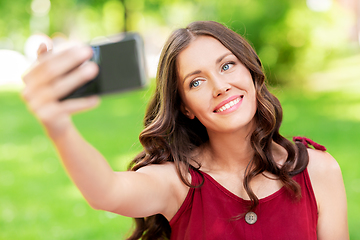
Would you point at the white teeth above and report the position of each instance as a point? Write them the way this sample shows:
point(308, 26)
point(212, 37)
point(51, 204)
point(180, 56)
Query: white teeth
point(228, 105)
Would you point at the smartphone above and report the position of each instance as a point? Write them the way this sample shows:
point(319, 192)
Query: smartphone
point(121, 63)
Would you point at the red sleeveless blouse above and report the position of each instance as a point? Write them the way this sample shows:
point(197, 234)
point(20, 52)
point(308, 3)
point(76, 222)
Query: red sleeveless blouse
point(210, 213)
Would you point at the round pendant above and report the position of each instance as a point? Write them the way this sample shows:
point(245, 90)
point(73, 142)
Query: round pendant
point(251, 217)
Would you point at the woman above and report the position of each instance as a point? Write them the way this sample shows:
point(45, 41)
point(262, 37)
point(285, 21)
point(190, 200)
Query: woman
point(214, 165)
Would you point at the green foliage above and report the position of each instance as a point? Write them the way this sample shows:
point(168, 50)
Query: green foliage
point(291, 40)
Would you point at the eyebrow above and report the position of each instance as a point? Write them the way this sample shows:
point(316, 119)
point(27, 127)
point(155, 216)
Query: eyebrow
point(223, 56)
point(190, 74)
point(217, 61)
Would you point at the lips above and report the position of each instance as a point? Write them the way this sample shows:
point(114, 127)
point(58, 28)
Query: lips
point(228, 103)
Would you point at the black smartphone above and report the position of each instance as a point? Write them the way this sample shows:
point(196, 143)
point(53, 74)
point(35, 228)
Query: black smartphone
point(121, 63)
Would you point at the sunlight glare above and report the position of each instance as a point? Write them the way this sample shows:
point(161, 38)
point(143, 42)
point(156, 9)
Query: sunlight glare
point(40, 7)
point(319, 5)
point(12, 66)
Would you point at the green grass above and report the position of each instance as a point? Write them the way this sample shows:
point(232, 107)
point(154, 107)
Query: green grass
point(38, 201)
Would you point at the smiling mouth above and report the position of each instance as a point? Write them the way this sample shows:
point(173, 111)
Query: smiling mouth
point(229, 105)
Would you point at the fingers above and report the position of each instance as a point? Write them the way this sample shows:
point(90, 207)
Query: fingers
point(52, 66)
point(52, 69)
point(55, 116)
point(61, 87)
point(42, 49)
point(54, 111)
point(81, 104)
point(75, 79)
point(53, 76)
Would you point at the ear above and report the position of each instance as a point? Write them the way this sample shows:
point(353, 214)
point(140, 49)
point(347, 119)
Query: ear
point(187, 112)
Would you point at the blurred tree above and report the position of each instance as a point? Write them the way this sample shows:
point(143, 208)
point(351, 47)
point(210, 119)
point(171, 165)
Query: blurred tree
point(14, 23)
point(290, 39)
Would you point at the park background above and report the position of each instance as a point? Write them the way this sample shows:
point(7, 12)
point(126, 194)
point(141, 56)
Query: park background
point(310, 51)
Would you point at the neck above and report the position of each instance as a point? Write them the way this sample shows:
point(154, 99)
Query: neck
point(228, 151)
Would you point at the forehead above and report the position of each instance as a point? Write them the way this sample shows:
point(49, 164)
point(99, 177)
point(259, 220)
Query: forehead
point(204, 50)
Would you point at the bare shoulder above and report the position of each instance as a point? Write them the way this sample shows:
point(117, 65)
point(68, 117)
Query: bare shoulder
point(166, 177)
point(165, 174)
point(165, 168)
point(323, 166)
point(166, 171)
point(327, 182)
point(320, 161)
point(324, 172)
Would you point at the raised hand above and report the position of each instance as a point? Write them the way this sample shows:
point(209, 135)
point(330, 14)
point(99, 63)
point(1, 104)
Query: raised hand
point(53, 76)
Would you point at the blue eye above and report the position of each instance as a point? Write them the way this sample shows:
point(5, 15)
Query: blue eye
point(225, 67)
point(194, 83)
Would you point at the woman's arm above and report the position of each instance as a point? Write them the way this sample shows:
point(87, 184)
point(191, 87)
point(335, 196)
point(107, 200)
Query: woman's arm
point(328, 185)
point(151, 190)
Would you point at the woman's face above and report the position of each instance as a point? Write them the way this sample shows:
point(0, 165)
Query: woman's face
point(215, 87)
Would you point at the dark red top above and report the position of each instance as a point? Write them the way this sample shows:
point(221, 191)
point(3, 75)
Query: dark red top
point(209, 213)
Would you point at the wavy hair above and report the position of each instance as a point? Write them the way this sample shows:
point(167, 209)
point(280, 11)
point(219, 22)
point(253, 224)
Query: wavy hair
point(169, 136)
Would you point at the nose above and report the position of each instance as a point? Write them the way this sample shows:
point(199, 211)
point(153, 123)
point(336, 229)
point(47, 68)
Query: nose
point(220, 87)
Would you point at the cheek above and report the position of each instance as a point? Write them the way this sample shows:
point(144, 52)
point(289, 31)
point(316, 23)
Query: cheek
point(188, 104)
point(253, 98)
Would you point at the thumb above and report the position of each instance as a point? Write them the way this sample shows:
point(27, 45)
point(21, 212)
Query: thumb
point(41, 50)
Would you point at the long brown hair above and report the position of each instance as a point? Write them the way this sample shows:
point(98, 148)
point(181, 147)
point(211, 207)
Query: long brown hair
point(169, 136)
